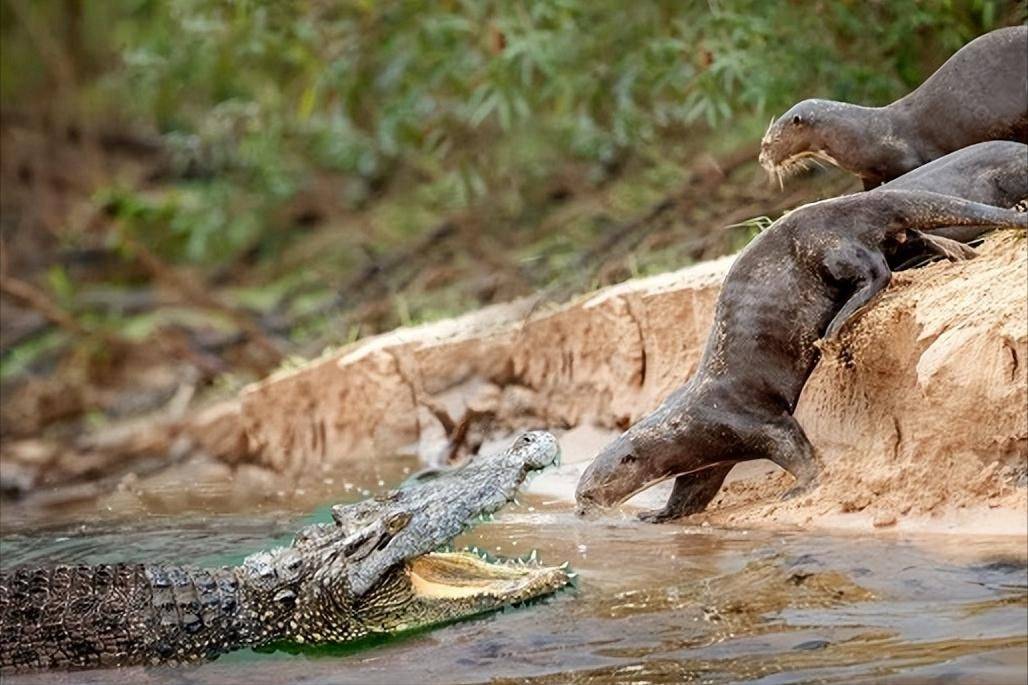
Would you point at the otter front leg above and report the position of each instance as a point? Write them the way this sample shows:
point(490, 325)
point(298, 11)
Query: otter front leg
point(691, 494)
point(869, 271)
point(787, 445)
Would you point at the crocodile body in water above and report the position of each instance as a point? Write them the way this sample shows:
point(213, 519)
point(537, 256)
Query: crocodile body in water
point(373, 570)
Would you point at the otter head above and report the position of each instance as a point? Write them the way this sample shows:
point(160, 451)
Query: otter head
point(642, 456)
point(811, 130)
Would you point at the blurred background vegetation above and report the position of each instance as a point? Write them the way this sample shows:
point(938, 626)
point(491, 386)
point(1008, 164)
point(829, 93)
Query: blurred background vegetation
point(195, 192)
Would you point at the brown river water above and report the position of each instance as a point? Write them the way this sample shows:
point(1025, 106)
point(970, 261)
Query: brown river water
point(653, 604)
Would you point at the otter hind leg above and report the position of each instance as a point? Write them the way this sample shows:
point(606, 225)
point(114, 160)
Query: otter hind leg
point(691, 494)
point(787, 445)
point(955, 244)
point(953, 250)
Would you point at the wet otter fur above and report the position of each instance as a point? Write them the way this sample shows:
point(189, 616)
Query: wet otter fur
point(993, 173)
point(800, 280)
point(978, 94)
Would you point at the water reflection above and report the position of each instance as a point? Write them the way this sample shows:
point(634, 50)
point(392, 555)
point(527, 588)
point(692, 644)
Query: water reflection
point(654, 604)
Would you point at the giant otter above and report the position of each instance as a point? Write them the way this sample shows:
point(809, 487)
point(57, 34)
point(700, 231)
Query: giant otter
point(798, 281)
point(994, 173)
point(978, 94)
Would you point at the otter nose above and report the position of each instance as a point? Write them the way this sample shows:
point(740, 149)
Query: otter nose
point(586, 505)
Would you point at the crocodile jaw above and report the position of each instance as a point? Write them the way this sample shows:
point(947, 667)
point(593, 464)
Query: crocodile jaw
point(462, 575)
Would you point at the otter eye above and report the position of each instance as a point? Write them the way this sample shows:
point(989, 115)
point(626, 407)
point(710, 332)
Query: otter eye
point(629, 459)
point(797, 119)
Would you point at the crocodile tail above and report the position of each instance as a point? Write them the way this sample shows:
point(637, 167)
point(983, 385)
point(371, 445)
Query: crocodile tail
point(70, 617)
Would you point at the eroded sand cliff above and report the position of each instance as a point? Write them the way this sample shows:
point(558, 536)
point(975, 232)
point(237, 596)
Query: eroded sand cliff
point(920, 412)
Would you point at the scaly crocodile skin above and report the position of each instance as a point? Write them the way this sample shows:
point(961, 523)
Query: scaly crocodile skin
point(109, 615)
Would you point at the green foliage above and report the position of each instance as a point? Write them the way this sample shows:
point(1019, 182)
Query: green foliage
point(461, 99)
point(20, 358)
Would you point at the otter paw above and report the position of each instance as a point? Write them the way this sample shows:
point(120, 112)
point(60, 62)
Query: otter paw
point(658, 515)
point(963, 252)
point(798, 490)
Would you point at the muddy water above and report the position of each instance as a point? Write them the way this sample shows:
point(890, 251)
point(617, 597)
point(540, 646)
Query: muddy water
point(654, 604)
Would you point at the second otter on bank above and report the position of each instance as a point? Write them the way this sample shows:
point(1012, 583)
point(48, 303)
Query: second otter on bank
point(993, 173)
point(800, 280)
point(978, 94)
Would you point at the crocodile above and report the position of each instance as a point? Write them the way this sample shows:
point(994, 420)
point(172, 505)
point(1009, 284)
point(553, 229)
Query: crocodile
point(381, 566)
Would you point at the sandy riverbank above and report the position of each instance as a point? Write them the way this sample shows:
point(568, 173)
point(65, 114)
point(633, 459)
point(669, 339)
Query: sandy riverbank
point(920, 412)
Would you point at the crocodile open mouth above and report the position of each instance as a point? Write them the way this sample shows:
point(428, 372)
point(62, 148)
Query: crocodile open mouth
point(440, 587)
point(465, 574)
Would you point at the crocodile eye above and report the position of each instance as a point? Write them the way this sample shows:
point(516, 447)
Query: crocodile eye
point(629, 458)
point(397, 522)
point(286, 598)
point(797, 119)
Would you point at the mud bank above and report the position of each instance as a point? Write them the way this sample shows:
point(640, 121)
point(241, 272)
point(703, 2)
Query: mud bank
point(920, 412)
